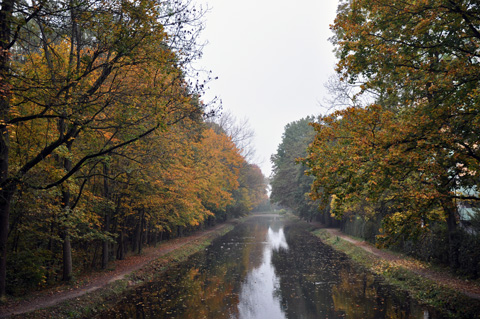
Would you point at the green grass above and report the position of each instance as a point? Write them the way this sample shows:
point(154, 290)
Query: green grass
point(357, 254)
point(450, 303)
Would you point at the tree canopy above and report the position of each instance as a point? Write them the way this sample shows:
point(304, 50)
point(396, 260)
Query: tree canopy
point(410, 152)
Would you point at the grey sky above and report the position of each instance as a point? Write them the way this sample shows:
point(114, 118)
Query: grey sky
point(272, 58)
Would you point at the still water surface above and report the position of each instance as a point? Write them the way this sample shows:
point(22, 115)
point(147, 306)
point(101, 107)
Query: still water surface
point(267, 269)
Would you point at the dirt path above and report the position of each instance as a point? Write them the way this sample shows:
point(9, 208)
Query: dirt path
point(97, 280)
point(444, 278)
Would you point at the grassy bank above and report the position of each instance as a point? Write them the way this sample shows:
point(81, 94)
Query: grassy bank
point(450, 303)
point(91, 303)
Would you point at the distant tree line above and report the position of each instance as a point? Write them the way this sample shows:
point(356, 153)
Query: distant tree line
point(289, 182)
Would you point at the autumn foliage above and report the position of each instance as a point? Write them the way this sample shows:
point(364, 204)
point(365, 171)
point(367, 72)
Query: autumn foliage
point(104, 145)
point(410, 154)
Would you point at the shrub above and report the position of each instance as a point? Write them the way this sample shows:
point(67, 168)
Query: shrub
point(27, 271)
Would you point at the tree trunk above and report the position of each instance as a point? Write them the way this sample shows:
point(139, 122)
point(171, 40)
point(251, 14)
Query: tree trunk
point(121, 245)
point(67, 257)
point(5, 200)
point(148, 235)
point(6, 193)
point(94, 258)
point(136, 237)
point(67, 245)
point(66, 196)
point(106, 251)
point(179, 231)
point(453, 241)
point(142, 235)
point(7, 189)
point(138, 234)
point(106, 226)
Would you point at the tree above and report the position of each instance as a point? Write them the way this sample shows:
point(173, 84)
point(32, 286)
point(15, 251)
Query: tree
point(220, 162)
point(252, 184)
point(79, 68)
point(289, 183)
point(252, 190)
point(422, 64)
point(355, 173)
point(419, 60)
point(238, 130)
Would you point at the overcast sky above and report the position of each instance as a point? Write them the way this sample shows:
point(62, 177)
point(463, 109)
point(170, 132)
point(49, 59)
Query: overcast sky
point(272, 59)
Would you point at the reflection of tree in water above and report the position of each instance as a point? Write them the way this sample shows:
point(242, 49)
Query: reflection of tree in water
point(363, 295)
point(252, 254)
point(318, 282)
point(304, 287)
point(206, 286)
point(311, 281)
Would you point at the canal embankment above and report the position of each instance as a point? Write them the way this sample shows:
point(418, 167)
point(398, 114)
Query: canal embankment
point(453, 296)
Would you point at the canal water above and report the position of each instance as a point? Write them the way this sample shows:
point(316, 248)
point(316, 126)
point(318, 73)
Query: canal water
point(267, 269)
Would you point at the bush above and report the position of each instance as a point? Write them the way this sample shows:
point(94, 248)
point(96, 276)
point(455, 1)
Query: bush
point(26, 271)
point(469, 255)
point(434, 247)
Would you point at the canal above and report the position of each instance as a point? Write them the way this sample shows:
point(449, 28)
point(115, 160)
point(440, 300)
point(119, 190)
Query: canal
point(267, 268)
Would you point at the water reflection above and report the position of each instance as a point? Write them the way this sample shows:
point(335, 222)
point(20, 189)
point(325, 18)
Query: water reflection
point(259, 295)
point(276, 239)
point(318, 282)
point(265, 269)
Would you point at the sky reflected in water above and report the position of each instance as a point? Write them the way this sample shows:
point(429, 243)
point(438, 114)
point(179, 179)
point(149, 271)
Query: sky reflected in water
point(259, 294)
